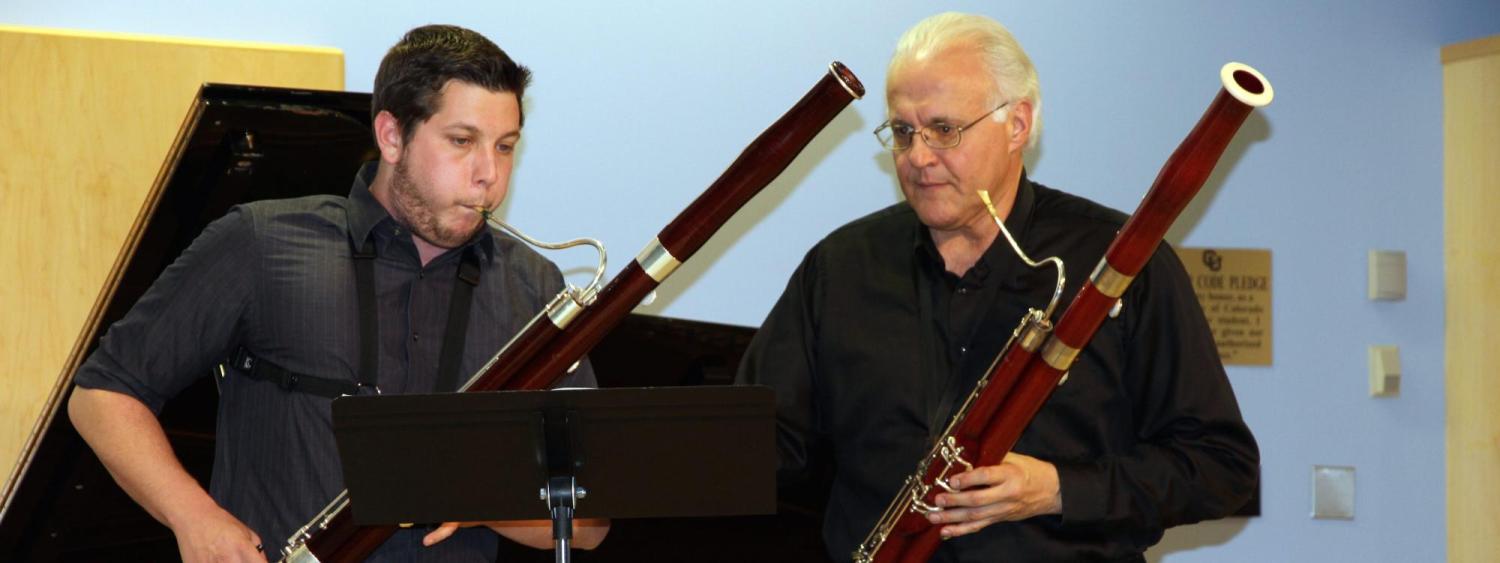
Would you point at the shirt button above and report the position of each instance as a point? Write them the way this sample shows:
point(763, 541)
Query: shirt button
point(963, 291)
point(963, 349)
point(415, 336)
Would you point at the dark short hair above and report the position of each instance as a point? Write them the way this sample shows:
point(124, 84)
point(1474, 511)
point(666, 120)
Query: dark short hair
point(413, 72)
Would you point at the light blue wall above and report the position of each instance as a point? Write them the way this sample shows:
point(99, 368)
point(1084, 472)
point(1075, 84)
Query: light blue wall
point(637, 106)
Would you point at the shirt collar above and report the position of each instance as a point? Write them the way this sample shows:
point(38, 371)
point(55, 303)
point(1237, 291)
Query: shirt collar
point(365, 213)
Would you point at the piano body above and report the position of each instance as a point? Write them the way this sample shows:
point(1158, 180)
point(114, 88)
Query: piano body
point(242, 144)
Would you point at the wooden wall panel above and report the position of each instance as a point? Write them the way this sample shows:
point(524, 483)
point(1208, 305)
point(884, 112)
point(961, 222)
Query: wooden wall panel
point(1471, 204)
point(86, 119)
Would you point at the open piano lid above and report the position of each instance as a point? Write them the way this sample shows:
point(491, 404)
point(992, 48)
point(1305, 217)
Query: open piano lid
point(237, 144)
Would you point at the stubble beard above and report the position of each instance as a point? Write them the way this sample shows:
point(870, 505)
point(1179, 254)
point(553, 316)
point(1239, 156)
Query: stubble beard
point(417, 212)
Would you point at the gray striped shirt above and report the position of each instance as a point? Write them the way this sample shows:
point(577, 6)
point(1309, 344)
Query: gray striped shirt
point(277, 278)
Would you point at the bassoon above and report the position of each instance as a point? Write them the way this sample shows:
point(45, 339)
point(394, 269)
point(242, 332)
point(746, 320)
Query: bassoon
point(576, 319)
point(1038, 355)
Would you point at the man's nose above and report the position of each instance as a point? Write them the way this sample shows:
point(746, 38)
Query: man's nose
point(919, 154)
point(486, 168)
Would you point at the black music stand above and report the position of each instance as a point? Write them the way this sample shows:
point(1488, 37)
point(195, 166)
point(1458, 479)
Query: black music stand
point(628, 453)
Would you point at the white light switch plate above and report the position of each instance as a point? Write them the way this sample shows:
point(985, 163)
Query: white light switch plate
point(1333, 492)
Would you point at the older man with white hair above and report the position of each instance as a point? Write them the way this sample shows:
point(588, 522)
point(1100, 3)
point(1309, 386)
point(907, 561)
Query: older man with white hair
point(889, 321)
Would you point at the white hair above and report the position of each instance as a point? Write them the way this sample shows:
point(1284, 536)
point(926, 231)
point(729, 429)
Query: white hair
point(1014, 76)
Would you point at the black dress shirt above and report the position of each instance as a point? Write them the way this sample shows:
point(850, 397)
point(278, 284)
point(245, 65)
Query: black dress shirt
point(874, 344)
point(277, 278)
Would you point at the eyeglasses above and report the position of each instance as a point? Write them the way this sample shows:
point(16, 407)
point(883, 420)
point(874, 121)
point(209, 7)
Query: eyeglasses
point(897, 136)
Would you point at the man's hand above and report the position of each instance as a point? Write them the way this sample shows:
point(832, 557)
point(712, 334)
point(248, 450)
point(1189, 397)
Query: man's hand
point(445, 531)
point(1019, 488)
point(212, 534)
point(130, 441)
point(587, 532)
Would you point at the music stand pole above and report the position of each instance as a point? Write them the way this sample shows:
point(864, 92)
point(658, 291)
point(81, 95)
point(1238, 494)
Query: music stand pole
point(562, 494)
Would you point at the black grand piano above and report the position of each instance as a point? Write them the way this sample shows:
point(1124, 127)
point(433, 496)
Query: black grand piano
point(242, 144)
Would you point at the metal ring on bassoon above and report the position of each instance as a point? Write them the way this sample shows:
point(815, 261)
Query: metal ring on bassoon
point(563, 309)
point(1058, 354)
point(1110, 281)
point(657, 261)
point(1033, 331)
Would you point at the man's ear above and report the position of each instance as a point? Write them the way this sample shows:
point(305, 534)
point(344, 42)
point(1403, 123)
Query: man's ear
point(1019, 118)
point(388, 137)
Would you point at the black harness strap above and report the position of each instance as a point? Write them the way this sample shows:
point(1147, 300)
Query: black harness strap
point(260, 369)
point(369, 317)
point(458, 321)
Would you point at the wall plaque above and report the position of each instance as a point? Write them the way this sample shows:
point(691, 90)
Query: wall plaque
point(1234, 288)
